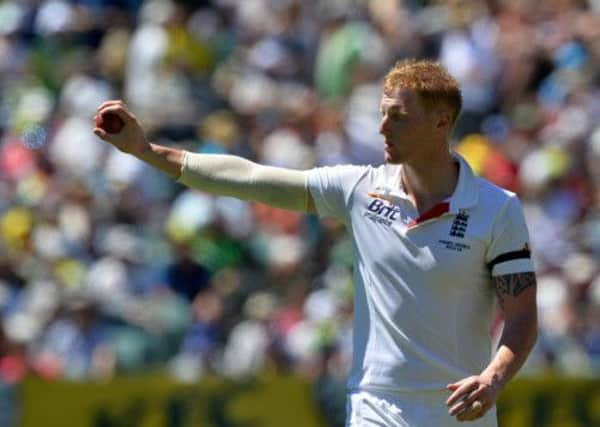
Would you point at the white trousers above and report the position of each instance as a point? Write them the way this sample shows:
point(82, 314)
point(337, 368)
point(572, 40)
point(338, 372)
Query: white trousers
point(414, 409)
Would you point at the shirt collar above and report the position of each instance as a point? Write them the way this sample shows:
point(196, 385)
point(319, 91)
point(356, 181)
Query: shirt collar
point(466, 193)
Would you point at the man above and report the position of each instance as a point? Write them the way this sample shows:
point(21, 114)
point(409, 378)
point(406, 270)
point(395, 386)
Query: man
point(432, 243)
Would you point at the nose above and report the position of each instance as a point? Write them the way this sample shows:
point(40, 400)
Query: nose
point(382, 125)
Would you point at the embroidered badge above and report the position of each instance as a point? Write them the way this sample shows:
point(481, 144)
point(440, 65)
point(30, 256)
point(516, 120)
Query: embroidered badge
point(459, 225)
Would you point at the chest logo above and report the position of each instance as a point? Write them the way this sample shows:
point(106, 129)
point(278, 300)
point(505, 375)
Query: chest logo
point(459, 225)
point(382, 212)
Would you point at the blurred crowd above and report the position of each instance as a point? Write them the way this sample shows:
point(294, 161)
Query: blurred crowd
point(107, 266)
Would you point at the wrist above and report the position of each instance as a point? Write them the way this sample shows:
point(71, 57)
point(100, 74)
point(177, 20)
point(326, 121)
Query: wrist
point(493, 378)
point(166, 159)
point(143, 150)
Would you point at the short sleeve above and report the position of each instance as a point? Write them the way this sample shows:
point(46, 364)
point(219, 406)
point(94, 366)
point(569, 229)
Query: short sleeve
point(331, 189)
point(509, 251)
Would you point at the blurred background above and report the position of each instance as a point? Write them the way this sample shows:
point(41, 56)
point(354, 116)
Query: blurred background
point(109, 270)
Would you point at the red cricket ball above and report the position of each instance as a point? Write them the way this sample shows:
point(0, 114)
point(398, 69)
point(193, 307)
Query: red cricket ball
point(110, 122)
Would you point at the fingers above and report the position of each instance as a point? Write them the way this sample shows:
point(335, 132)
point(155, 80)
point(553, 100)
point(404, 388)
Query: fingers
point(101, 133)
point(461, 389)
point(455, 385)
point(472, 413)
point(467, 402)
point(120, 111)
point(111, 103)
point(477, 410)
point(117, 107)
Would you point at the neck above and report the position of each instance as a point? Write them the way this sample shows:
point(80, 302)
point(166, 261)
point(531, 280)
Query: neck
point(430, 180)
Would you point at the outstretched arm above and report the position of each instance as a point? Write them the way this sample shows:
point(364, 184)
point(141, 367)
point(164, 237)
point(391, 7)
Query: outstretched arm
point(219, 174)
point(517, 297)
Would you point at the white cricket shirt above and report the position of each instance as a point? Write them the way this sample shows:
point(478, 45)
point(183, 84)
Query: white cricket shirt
point(423, 297)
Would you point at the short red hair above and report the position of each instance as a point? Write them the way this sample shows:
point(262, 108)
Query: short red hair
point(429, 80)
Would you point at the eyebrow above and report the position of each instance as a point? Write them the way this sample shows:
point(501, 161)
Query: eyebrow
point(392, 109)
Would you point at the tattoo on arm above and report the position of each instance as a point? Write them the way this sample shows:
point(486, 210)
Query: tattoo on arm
point(512, 285)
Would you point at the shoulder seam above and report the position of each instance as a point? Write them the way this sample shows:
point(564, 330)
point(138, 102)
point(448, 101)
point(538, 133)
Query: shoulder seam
point(350, 196)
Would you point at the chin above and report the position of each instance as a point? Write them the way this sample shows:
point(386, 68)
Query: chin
point(391, 160)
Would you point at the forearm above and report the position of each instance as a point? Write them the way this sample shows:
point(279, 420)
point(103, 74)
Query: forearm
point(219, 174)
point(473, 396)
point(517, 340)
point(168, 160)
point(234, 176)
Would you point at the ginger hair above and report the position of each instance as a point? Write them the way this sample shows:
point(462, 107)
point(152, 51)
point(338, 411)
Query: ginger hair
point(430, 80)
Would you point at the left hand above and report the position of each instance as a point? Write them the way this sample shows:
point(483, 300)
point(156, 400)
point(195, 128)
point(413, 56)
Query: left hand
point(472, 397)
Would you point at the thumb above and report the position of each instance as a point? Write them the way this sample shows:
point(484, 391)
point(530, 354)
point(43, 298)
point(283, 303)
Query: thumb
point(100, 133)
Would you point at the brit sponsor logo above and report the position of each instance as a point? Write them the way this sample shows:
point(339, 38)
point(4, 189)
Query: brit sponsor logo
point(382, 212)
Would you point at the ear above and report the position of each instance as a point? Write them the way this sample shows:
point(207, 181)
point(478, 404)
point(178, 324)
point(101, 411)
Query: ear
point(443, 120)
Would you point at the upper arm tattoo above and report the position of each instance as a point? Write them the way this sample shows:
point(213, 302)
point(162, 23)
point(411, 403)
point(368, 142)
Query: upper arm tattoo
point(513, 285)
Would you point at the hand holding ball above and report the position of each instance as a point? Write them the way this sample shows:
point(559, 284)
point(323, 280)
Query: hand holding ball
point(109, 122)
point(115, 124)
